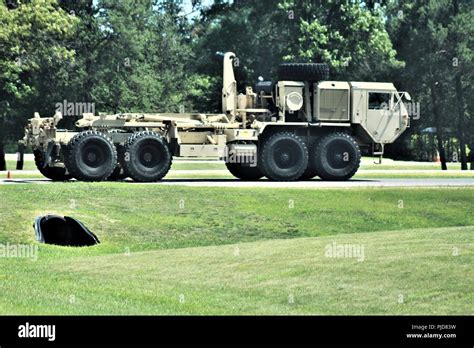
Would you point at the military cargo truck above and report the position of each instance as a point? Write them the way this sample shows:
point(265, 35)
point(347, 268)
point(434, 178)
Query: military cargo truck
point(296, 128)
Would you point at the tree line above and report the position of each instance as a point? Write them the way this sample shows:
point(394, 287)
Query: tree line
point(159, 55)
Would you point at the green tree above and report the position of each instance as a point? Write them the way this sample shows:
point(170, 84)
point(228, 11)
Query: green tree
point(351, 38)
point(259, 33)
point(142, 63)
point(32, 36)
point(434, 38)
point(460, 47)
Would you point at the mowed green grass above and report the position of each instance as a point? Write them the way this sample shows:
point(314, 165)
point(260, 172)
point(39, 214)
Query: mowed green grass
point(27, 165)
point(426, 271)
point(144, 217)
point(184, 250)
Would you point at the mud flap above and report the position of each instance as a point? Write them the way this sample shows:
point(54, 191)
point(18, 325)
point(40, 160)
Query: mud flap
point(63, 230)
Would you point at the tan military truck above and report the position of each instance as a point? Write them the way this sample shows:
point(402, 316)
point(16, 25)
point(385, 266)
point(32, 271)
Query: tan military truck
point(297, 128)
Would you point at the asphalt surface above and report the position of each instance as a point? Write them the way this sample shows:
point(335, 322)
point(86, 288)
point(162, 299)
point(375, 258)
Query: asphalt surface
point(226, 172)
point(312, 184)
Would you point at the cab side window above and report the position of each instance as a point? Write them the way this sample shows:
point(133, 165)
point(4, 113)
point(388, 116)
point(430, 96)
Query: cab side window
point(379, 101)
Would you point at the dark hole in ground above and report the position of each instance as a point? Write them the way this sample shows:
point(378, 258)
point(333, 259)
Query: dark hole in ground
point(63, 230)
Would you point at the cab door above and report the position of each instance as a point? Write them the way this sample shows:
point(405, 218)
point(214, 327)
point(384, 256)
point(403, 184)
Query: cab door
point(382, 122)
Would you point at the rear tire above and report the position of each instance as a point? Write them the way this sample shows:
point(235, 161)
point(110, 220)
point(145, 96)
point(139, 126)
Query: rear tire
point(284, 157)
point(53, 173)
point(91, 156)
point(336, 157)
point(244, 172)
point(119, 172)
point(147, 157)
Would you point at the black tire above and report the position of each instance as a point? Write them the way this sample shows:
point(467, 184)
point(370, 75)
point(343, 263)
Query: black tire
point(147, 157)
point(119, 172)
point(91, 156)
point(284, 157)
point(244, 171)
point(337, 157)
point(310, 171)
point(303, 71)
point(53, 173)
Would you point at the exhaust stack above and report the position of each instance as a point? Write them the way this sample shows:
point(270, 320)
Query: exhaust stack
point(229, 88)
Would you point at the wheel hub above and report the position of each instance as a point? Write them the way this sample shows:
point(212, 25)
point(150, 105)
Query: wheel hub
point(340, 155)
point(286, 154)
point(147, 157)
point(285, 157)
point(91, 157)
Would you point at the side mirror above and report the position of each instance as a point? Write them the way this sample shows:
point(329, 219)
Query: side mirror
point(407, 96)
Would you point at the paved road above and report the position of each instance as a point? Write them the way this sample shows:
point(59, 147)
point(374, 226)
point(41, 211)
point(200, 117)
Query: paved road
point(364, 161)
point(313, 184)
point(226, 172)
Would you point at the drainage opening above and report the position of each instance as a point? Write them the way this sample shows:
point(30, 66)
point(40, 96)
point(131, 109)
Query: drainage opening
point(63, 230)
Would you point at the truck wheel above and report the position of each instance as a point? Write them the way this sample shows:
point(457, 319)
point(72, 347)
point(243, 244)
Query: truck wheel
point(303, 71)
point(91, 156)
point(284, 157)
point(119, 172)
point(310, 171)
point(147, 157)
point(336, 157)
point(53, 173)
point(244, 172)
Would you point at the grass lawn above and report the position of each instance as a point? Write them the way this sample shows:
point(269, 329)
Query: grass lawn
point(403, 272)
point(183, 250)
point(27, 165)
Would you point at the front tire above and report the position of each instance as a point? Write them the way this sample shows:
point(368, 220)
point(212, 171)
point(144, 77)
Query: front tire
point(284, 157)
point(336, 157)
